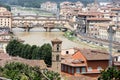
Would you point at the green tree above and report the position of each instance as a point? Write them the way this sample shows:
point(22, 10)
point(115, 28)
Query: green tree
point(33, 52)
point(19, 71)
point(46, 51)
point(111, 73)
point(52, 75)
point(6, 6)
point(13, 47)
point(26, 51)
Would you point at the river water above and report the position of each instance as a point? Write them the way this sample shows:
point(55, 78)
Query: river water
point(39, 37)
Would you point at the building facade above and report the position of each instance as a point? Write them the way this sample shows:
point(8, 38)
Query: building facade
point(5, 18)
point(56, 55)
point(85, 62)
point(49, 6)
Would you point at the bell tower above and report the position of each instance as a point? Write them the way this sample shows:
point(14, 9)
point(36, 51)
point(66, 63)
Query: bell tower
point(56, 55)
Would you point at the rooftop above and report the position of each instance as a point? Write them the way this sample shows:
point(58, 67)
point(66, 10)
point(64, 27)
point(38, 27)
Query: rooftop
point(5, 58)
point(98, 19)
point(56, 40)
point(94, 54)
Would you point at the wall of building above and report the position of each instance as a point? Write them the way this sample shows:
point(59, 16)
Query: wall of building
point(5, 18)
point(95, 64)
point(67, 51)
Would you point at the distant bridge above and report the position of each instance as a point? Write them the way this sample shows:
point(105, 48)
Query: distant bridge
point(28, 22)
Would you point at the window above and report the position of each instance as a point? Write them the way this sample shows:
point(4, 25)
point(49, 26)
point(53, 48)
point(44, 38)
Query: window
point(99, 68)
point(68, 69)
point(65, 68)
point(67, 52)
point(89, 68)
point(57, 58)
point(62, 67)
point(77, 70)
point(83, 69)
point(57, 47)
point(72, 70)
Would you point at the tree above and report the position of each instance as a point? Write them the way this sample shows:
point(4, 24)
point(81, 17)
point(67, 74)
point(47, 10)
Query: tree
point(111, 73)
point(46, 52)
point(52, 75)
point(6, 6)
point(13, 47)
point(19, 71)
point(25, 51)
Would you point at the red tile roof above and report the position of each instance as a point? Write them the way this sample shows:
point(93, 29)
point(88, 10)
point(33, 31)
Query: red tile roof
point(115, 9)
point(98, 19)
point(81, 77)
point(94, 54)
point(77, 55)
point(5, 58)
point(90, 13)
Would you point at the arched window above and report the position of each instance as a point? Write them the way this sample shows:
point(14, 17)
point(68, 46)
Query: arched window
point(57, 58)
point(57, 47)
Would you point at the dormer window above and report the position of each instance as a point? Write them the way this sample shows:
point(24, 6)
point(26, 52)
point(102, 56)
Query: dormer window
point(89, 68)
point(99, 68)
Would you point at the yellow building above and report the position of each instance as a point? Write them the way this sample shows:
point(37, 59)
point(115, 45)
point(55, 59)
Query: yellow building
point(5, 18)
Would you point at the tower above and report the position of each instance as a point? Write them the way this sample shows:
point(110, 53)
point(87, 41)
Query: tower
point(56, 55)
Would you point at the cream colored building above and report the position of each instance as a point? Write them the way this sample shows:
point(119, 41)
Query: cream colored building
point(5, 18)
point(117, 35)
point(49, 6)
point(69, 9)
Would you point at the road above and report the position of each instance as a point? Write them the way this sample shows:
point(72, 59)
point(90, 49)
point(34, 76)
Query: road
point(116, 45)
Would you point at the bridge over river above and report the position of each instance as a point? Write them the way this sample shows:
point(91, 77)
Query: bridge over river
point(28, 22)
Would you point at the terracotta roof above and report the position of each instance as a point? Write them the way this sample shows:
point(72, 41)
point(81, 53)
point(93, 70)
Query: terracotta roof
point(90, 13)
point(115, 9)
point(102, 24)
point(81, 77)
point(56, 40)
point(94, 54)
point(77, 55)
point(98, 19)
point(5, 58)
point(74, 60)
point(85, 14)
point(104, 8)
point(79, 58)
point(39, 63)
point(70, 63)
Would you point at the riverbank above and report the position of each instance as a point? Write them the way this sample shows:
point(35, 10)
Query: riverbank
point(70, 36)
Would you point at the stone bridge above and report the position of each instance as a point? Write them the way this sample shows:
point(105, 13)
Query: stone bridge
point(31, 21)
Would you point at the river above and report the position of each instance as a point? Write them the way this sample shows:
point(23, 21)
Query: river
point(39, 37)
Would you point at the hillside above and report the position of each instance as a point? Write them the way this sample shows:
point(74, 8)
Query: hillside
point(36, 3)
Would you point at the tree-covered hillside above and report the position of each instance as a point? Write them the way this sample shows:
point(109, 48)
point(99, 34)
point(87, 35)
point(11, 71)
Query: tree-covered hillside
point(36, 3)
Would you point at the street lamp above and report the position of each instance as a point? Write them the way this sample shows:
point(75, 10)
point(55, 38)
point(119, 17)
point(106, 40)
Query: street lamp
point(111, 31)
